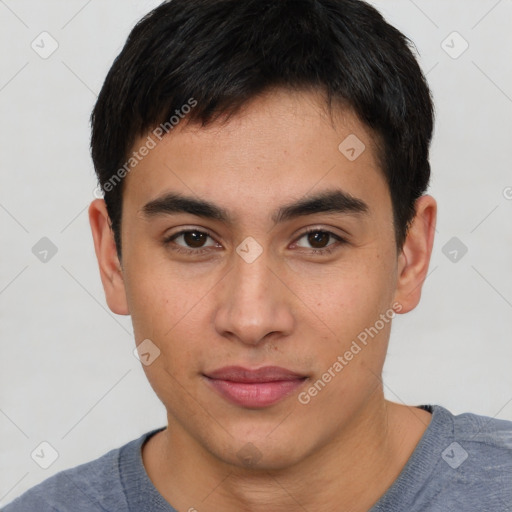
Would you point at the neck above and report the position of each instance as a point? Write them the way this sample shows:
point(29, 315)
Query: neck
point(354, 469)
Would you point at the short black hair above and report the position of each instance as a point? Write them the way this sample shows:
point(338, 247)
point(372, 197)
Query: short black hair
point(216, 55)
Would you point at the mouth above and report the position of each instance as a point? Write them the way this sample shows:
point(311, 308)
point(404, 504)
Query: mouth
point(257, 388)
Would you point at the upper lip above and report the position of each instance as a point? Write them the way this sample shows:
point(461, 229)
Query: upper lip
point(264, 374)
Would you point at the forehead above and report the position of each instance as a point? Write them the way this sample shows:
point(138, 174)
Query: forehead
point(281, 145)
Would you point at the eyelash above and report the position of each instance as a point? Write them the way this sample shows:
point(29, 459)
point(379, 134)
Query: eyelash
point(197, 252)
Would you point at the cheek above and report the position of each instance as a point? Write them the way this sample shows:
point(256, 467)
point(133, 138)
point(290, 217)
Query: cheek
point(171, 311)
point(349, 294)
point(169, 314)
point(162, 295)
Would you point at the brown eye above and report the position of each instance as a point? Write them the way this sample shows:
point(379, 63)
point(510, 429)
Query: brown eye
point(190, 241)
point(194, 238)
point(318, 241)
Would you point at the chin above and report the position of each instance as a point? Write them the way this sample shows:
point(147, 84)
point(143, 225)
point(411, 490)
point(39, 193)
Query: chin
point(251, 458)
point(262, 452)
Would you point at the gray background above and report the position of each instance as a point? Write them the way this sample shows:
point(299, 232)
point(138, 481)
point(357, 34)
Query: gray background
point(68, 376)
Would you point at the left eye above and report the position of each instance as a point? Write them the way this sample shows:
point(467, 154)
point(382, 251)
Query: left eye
point(318, 239)
point(193, 239)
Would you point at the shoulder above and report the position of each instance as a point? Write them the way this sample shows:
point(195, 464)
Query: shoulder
point(95, 485)
point(90, 486)
point(484, 433)
point(462, 462)
point(475, 466)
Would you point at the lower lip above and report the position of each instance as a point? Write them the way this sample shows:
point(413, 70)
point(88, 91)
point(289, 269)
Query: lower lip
point(257, 394)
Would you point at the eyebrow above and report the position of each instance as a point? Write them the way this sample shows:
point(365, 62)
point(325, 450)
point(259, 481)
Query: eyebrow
point(331, 201)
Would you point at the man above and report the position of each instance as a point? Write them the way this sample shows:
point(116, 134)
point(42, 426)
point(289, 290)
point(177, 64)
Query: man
point(264, 166)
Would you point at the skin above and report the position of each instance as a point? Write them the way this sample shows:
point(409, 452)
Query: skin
point(288, 308)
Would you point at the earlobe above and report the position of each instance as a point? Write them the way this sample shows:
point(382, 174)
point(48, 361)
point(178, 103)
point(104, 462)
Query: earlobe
point(108, 261)
point(414, 258)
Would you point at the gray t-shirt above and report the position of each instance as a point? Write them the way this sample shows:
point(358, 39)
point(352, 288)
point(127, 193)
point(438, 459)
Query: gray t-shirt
point(462, 463)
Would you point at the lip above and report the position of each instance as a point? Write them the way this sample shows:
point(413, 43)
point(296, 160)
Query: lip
point(256, 388)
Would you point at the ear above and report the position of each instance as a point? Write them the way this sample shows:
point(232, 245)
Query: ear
point(110, 267)
point(414, 258)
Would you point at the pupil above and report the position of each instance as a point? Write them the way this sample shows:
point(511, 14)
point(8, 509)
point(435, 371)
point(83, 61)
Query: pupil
point(194, 238)
point(318, 237)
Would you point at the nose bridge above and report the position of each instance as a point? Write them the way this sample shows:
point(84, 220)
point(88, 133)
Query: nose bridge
point(252, 304)
point(251, 281)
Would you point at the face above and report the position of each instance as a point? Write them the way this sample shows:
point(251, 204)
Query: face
point(292, 263)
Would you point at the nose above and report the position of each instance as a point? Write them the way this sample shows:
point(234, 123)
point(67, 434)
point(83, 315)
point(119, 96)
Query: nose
point(253, 303)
